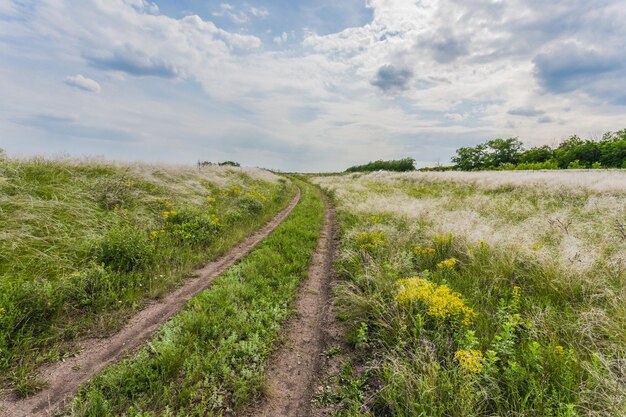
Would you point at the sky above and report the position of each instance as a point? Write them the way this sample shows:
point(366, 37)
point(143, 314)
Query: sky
point(307, 85)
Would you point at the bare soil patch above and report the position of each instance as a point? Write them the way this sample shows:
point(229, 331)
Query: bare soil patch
point(65, 377)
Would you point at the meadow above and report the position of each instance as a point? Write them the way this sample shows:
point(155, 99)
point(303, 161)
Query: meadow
point(456, 293)
point(481, 293)
point(84, 244)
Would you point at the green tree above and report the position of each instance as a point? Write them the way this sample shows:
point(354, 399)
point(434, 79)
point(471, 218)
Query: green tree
point(503, 151)
point(534, 155)
point(613, 149)
point(470, 158)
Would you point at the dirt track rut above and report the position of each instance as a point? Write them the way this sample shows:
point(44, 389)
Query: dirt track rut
point(294, 370)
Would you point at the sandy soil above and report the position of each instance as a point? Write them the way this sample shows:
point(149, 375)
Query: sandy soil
point(65, 377)
point(294, 370)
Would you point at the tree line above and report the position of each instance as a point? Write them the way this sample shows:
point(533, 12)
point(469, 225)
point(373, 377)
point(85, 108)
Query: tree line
point(401, 165)
point(608, 152)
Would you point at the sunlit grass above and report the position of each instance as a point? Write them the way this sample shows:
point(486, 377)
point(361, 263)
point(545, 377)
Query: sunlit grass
point(211, 358)
point(540, 262)
point(83, 244)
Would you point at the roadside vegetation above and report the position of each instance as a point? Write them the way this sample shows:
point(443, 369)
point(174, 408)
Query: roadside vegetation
point(211, 358)
point(481, 294)
point(85, 243)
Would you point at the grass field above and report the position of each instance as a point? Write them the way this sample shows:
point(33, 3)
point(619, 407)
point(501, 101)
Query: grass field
point(211, 358)
point(461, 293)
point(482, 294)
point(84, 243)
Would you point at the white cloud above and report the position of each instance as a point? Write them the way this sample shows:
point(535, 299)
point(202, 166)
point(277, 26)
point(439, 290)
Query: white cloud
point(83, 83)
point(261, 12)
point(241, 16)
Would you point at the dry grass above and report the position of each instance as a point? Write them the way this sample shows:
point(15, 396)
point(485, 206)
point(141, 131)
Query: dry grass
point(559, 235)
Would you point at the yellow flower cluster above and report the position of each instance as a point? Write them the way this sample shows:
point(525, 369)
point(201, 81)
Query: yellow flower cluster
point(421, 250)
point(156, 233)
point(214, 219)
point(370, 240)
point(470, 360)
point(536, 246)
point(442, 239)
point(440, 300)
point(446, 264)
point(165, 202)
point(210, 199)
point(2, 311)
point(168, 214)
point(256, 194)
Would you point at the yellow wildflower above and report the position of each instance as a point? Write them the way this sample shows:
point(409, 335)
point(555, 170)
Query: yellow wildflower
point(168, 214)
point(420, 250)
point(517, 291)
point(441, 302)
point(442, 239)
point(210, 199)
point(536, 246)
point(214, 219)
point(447, 264)
point(165, 202)
point(256, 194)
point(558, 349)
point(470, 360)
point(156, 233)
point(370, 240)
point(2, 311)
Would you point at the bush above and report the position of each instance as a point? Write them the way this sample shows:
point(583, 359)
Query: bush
point(249, 204)
point(125, 248)
point(193, 226)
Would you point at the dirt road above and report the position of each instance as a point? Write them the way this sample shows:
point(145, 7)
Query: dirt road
point(65, 377)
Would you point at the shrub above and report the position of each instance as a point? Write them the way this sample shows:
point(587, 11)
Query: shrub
point(125, 248)
point(193, 225)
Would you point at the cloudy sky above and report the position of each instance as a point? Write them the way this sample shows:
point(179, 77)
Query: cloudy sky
point(305, 85)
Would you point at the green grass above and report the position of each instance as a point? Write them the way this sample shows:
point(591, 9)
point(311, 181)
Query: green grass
point(211, 358)
point(548, 338)
point(83, 245)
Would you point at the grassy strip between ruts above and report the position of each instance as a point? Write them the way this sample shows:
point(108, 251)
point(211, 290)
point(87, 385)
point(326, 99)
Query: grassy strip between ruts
point(211, 358)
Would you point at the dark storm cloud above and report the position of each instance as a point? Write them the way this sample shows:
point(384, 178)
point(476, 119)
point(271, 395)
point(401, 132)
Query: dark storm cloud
point(132, 61)
point(392, 79)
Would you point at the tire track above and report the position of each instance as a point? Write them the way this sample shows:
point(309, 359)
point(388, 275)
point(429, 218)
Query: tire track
point(293, 372)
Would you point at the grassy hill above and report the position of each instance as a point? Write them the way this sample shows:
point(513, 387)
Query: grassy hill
point(83, 243)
